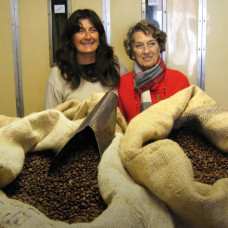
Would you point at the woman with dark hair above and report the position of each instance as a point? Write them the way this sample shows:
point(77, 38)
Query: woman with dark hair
point(86, 64)
point(150, 81)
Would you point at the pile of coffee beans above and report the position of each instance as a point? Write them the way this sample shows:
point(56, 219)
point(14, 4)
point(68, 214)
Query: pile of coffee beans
point(69, 190)
point(209, 163)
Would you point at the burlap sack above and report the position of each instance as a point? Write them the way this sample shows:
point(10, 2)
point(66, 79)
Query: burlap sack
point(165, 170)
point(40, 131)
point(130, 205)
point(50, 129)
point(5, 120)
point(74, 110)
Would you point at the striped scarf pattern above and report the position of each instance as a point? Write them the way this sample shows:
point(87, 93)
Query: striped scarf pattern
point(145, 80)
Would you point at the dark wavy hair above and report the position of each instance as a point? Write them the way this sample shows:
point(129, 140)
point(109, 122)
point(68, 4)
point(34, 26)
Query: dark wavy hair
point(106, 68)
point(147, 28)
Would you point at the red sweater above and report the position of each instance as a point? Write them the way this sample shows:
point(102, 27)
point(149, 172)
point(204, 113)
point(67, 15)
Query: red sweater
point(130, 101)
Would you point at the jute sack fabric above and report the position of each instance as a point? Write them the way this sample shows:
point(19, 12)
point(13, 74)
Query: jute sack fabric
point(39, 131)
point(129, 204)
point(162, 166)
point(50, 129)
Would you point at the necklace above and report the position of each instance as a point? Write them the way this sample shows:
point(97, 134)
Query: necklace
point(89, 78)
point(158, 97)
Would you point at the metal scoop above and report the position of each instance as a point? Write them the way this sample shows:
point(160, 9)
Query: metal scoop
point(99, 124)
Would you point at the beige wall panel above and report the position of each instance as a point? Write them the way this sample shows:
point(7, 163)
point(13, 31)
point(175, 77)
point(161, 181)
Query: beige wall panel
point(7, 86)
point(95, 5)
point(216, 80)
point(182, 37)
point(124, 13)
point(33, 16)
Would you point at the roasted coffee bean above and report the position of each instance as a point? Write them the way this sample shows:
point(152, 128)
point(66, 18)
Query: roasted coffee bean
point(208, 162)
point(68, 194)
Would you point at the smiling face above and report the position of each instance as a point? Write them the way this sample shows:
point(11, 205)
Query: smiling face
point(146, 50)
point(86, 41)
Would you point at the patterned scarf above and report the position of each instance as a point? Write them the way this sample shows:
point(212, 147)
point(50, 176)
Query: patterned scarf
point(145, 80)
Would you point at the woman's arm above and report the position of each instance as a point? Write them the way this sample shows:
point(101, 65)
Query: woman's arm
point(53, 96)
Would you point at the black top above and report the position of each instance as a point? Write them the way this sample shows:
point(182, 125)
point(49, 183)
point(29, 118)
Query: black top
point(87, 71)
